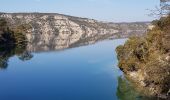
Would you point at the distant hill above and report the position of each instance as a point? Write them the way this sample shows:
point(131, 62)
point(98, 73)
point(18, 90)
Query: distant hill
point(58, 31)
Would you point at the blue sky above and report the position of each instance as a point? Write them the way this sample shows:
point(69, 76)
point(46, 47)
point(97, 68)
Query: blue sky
point(104, 10)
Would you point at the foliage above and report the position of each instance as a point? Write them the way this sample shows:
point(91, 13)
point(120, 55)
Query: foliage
point(12, 42)
point(148, 54)
point(3, 24)
point(12, 35)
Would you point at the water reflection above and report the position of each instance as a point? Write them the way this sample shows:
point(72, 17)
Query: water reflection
point(127, 91)
point(124, 90)
point(8, 51)
point(24, 52)
point(96, 80)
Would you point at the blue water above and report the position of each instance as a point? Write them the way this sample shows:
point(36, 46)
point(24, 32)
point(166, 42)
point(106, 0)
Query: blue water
point(82, 73)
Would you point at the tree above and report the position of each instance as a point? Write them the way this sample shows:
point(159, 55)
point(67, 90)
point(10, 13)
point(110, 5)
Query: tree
point(3, 24)
point(162, 10)
point(165, 6)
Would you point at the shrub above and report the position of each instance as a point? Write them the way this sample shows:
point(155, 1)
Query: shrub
point(148, 54)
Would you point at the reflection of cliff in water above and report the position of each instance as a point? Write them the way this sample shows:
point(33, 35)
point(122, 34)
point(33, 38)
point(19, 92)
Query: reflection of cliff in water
point(8, 51)
point(24, 52)
point(37, 46)
point(127, 91)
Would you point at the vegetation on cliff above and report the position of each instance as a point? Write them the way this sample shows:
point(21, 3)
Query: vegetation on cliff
point(12, 42)
point(12, 35)
point(149, 56)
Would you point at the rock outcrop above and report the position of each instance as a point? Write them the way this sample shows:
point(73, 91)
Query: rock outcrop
point(146, 60)
point(50, 31)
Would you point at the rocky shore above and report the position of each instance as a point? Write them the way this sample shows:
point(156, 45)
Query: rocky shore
point(146, 60)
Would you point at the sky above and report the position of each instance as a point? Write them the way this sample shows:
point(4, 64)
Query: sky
point(103, 10)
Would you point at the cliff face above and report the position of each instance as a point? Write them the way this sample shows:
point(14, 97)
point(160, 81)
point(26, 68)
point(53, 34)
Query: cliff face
point(48, 31)
point(146, 60)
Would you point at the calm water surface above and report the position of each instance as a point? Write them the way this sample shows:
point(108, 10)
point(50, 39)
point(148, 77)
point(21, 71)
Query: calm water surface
point(82, 73)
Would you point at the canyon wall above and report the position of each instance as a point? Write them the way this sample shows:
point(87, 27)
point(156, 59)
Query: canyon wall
point(51, 31)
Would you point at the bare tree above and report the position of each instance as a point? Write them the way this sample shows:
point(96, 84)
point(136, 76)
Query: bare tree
point(162, 10)
point(165, 6)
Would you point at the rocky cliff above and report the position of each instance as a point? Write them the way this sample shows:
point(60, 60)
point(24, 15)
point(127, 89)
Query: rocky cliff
point(50, 31)
point(146, 60)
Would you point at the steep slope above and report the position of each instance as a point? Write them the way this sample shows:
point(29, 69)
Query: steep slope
point(146, 60)
point(51, 31)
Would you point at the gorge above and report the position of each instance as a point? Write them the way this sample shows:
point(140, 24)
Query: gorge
point(50, 71)
point(52, 31)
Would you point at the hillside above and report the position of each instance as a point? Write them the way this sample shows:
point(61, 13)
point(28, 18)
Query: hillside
point(52, 31)
point(146, 60)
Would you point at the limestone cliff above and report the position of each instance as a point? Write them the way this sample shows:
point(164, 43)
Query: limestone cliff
point(55, 31)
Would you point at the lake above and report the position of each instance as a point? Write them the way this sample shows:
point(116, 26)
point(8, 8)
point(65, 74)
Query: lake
point(83, 73)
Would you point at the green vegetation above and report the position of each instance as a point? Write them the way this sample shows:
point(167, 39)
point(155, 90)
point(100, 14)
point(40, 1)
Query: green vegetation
point(12, 42)
point(12, 35)
point(150, 55)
